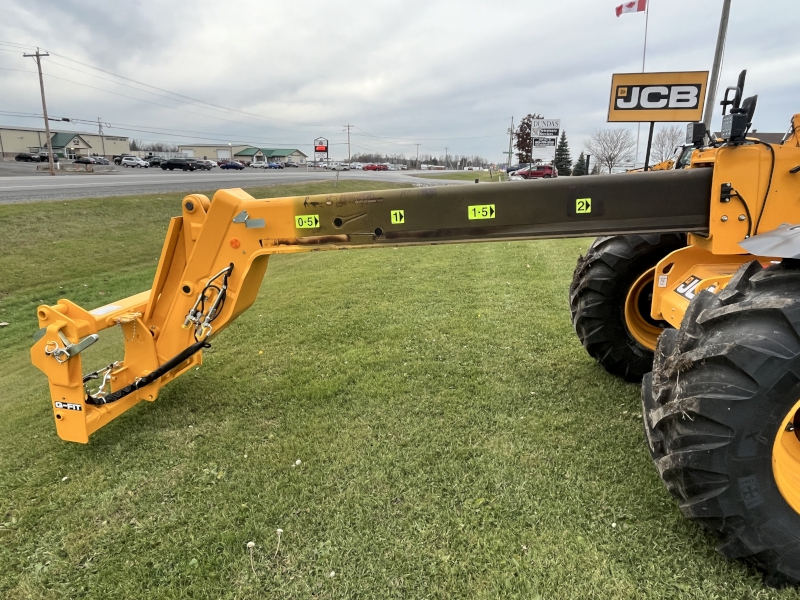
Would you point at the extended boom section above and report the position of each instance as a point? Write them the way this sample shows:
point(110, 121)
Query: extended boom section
point(215, 256)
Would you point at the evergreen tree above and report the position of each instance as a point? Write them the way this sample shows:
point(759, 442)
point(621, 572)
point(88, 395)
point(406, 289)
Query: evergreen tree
point(580, 166)
point(563, 161)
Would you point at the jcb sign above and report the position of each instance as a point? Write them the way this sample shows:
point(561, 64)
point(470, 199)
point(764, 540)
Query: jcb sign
point(657, 96)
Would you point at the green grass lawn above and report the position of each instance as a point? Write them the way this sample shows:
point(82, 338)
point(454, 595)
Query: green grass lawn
point(455, 440)
point(468, 176)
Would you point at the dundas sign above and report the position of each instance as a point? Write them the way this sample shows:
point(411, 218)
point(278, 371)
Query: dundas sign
point(657, 96)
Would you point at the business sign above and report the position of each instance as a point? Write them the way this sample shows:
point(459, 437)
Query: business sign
point(546, 124)
point(544, 132)
point(544, 142)
point(320, 145)
point(657, 96)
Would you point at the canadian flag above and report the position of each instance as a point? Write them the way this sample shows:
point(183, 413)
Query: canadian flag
point(635, 6)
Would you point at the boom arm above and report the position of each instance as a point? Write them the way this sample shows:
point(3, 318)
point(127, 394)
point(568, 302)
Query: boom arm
point(215, 256)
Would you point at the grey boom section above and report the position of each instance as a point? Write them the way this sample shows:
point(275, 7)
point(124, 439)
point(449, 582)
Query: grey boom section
point(660, 201)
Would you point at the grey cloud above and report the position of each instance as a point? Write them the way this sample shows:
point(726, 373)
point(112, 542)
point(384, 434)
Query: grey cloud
point(403, 71)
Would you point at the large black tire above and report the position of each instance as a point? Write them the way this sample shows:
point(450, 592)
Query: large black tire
point(721, 389)
point(600, 286)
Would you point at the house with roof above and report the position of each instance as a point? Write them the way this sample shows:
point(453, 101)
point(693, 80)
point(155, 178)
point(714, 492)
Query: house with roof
point(70, 144)
point(252, 154)
point(243, 153)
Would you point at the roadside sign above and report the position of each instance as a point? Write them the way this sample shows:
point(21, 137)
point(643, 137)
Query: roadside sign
point(544, 142)
point(546, 124)
point(661, 97)
point(547, 132)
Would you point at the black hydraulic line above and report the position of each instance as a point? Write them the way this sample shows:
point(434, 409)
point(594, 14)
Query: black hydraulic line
point(150, 377)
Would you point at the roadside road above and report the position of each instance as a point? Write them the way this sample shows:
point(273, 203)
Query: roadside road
point(31, 188)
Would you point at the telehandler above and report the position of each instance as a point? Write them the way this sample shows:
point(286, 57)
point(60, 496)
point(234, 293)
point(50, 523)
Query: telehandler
point(693, 286)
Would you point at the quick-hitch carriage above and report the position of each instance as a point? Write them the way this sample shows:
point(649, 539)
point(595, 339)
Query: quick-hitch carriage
point(695, 265)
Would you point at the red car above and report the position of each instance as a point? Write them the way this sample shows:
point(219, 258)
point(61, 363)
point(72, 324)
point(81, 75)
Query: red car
point(372, 167)
point(537, 172)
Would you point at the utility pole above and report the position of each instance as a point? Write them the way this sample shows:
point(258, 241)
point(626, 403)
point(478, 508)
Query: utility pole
point(102, 138)
point(510, 139)
point(347, 129)
point(417, 145)
point(712, 85)
point(38, 56)
point(445, 156)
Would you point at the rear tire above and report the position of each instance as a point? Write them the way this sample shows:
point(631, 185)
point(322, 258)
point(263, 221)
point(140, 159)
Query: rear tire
point(600, 288)
point(719, 411)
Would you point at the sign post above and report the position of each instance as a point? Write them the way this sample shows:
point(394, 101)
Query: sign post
point(662, 97)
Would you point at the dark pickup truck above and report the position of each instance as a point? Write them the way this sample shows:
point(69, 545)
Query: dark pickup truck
point(177, 163)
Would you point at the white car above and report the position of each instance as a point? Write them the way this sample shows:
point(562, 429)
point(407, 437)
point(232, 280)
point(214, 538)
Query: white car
point(259, 164)
point(339, 167)
point(134, 161)
point(213, 163)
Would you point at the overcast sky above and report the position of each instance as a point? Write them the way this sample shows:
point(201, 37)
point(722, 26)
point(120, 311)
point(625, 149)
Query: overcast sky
point(441, 74)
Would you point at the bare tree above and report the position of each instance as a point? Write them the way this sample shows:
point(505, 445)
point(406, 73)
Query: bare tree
point(665, 142)
point(611, 147)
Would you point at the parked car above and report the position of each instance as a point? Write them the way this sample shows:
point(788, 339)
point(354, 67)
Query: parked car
point(43, 157)
point(25, 157)
point(133, 162)
point(536, 172)
point(199, 164)
point(213, 163)
point(371, 167)
point(177, 163)
point(273, 165)
point(232, 165)
point(154, 161)
point(118, 159)
point(259, 164)
point(339, 167)
point(513, 168)
point(223, 161)
point(85, 160)
point(291, 164)
point(101, 160)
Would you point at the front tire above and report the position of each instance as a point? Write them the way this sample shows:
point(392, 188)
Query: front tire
point(722, 414)
point(610, 299)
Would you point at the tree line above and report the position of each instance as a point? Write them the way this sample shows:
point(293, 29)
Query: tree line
point(609, 148)
point(453, 161)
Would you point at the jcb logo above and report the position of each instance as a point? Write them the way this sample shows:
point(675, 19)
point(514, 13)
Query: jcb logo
point(658, 97)
point(69, 406)
point(688, 289)
point(661, 97)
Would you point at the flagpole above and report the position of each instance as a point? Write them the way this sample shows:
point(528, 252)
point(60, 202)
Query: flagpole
point(644, 53)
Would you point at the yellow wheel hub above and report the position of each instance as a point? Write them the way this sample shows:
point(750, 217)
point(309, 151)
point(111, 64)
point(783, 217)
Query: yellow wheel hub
point(637, 311)
point(786, 458)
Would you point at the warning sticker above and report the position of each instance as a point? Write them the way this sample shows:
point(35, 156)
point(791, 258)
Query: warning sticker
point(398, 217)
point(583, 206)
point(306, 221)
point(481, 211)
